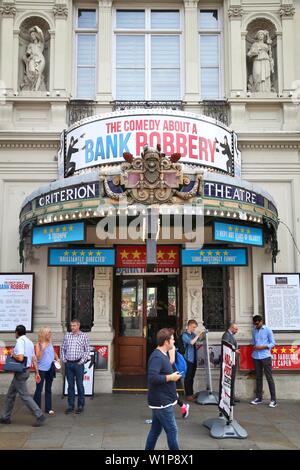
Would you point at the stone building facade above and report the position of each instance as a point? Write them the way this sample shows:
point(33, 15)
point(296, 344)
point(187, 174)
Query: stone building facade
point(62, 61)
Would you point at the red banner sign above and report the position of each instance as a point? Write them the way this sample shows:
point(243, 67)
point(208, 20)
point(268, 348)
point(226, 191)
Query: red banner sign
point(134, 256)
point(284, 357)
point(6, 350)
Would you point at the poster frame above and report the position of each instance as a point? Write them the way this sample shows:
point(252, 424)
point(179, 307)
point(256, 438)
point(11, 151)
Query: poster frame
point(265, 315)
point(32, 298)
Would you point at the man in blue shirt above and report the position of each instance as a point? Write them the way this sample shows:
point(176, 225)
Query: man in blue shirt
point(190, 338)
point(263, 342)
point(162, 394)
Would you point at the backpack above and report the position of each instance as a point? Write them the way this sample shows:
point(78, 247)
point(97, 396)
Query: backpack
point(180, 345)
point(180, 364)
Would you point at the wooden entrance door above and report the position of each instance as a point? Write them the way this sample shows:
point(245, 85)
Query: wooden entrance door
point(142, 307)
point(131, 327)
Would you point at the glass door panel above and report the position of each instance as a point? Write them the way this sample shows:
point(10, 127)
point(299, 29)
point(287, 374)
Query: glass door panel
point(131, 321)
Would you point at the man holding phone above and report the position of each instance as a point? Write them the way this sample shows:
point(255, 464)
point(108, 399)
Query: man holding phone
point(162, 394)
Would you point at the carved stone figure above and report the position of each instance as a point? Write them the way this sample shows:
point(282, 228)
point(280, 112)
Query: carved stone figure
point(34, 61)
point(195, 302)
point(263, 64)
point(102, 303)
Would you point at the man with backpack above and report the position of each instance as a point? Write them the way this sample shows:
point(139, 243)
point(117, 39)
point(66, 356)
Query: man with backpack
point(189, 340)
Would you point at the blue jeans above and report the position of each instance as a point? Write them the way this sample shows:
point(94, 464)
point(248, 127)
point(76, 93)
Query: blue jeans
point(47, 377)
point(74, 372)
point(163, 418)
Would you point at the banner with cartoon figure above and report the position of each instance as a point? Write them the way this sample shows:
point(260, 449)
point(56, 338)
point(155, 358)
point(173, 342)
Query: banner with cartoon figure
point(200, 140)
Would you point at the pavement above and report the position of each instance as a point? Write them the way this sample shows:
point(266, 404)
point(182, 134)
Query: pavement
point(118, 422)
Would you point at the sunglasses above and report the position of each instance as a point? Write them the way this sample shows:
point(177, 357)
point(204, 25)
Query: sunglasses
point(256, 323)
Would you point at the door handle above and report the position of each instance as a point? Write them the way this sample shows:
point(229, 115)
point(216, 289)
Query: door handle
point(145, 331)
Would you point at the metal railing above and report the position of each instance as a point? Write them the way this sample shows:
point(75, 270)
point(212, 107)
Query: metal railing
point(80, 109)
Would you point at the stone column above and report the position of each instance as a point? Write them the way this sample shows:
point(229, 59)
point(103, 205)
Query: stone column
point(192, 65)
point(7, 14)
point(237, 59)
point(60, 12)
point(287, 12)
point(102, 332)
point(193, 304)
point(104, 84)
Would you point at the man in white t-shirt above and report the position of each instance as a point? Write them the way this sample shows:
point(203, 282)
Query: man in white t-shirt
point(23, 349)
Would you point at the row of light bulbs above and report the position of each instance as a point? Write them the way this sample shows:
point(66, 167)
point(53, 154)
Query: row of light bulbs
point(104, 212)
point(234, 215)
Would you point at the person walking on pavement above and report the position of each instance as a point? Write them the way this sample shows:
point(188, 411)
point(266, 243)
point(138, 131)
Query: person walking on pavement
point(263, 342)
point(24, 348)
point(189, 338)
point(229, 337)
point(162, 394)
point(75, 351)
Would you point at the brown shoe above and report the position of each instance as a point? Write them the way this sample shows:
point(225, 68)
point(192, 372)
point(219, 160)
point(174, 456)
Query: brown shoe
point(189, 397)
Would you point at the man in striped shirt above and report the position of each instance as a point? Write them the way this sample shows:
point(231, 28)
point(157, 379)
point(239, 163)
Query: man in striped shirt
point(75, 351)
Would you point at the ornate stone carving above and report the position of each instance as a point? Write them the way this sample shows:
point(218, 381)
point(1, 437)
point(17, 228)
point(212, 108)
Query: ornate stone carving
point(235, 11)
point(34, 61)
point(190, 3)
point(195, 302)
point(152, 178)
point(60, 10)
point(287, 10)
point(101, 300)
point(8, 10)
point(263, 64)
point(194, 272)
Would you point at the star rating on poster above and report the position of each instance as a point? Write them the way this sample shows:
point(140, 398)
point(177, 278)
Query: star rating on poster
point(213, 253)
point(133, 256)
point(239, 229)
point(63, 228)
point(283, 350)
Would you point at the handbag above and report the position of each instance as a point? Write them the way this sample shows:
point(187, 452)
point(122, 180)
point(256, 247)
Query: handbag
point(11, 365)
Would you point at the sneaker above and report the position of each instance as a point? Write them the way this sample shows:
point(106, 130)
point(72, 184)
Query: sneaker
point(69, 410)
point(51, 412)
point(273, 404)
point(79, 410)
point(257, 401)
point(185, 410)
point(39, 421)
point(5, 420)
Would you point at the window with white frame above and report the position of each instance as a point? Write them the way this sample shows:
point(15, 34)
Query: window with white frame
point(210, 54)
point(147, 61)
point(86, 40)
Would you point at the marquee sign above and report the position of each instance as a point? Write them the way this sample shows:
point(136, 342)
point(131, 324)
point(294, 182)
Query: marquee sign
point(61, 233)
point(134, 256)
point(238, 234)
point(81, 256)
point(103, 139)
point(214, 257)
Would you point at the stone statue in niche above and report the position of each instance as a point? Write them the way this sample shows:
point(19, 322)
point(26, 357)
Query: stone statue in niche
point(34, 61)
point(195, 302)
point(102, 303)
point(263, 63)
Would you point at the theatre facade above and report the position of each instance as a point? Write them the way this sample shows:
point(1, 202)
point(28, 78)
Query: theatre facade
point(140, 203)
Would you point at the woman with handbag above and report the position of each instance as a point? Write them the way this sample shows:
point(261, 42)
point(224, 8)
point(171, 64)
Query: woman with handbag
point(45, 355)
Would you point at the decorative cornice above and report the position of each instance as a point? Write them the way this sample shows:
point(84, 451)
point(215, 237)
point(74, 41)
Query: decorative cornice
point(235, 11)
point(270, 146)
point(287, 10)
point(29, 145)
point(8, 10)
point(60, 10)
